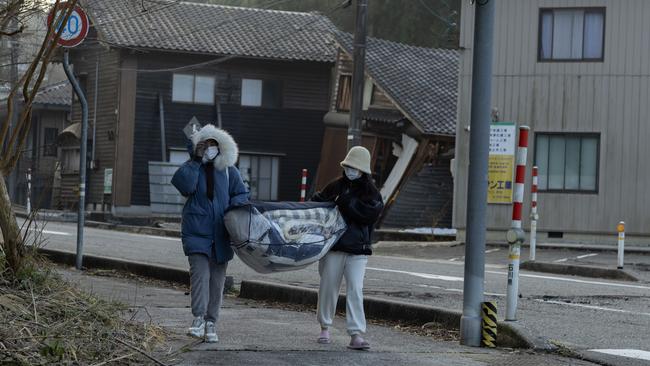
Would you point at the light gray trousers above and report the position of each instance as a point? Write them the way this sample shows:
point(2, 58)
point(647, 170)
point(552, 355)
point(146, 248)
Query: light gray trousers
point(206, 280)
point(332, 268)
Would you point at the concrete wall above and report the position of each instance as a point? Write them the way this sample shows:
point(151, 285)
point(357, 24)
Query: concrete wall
point(608, 97)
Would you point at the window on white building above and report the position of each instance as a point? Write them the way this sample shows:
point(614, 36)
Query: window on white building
point(571, 34)
point(190, 88)
point(260, 174)
point(567, 162)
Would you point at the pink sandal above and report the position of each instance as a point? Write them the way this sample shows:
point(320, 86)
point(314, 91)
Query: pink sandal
point(324, 337)
point(358, 343)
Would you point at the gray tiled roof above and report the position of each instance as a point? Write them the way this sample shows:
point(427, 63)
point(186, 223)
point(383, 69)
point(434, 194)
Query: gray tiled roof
point(55, 94)
point(59, 94)
point(213, 29)
point(422, 81)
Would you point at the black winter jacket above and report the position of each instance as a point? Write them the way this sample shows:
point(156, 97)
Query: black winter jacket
point(360, 204)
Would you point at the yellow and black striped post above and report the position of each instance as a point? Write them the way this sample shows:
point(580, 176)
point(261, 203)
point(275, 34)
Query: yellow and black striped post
point(489, 324)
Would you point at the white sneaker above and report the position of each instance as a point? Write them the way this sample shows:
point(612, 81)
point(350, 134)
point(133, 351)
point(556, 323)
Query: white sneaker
point(198, 327)
point(211, 333)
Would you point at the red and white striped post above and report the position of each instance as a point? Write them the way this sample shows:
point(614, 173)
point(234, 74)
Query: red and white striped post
point(303, 186)
point(515, 235)
point(533, 216)
point(29, 191)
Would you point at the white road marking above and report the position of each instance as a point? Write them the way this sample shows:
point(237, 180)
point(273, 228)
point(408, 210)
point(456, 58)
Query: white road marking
point(454, 259)
point(591, 307)
point(587, 255)
point(51, 232)
point(460, 279)
point(421, 275)
point(436, 261)
point(492, 250)
point(560, 260)
point(162, 238)
point(631, 353)
point(574, 280)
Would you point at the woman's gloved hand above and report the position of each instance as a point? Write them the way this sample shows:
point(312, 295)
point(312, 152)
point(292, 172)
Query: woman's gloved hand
point(200, 150)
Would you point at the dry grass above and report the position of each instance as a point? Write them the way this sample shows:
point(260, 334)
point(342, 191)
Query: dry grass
point(44, 320)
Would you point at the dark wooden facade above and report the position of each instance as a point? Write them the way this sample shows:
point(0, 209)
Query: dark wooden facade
point(41, 156)
point(103, 110)
point(128, 120)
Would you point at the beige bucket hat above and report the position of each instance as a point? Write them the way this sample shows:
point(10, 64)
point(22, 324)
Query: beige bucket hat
point(359, 158)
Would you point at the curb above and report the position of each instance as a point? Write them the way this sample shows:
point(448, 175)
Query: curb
point(134, 229)
point(574, 270)
point(596, 248)
point(168, 274)
point(115, 227)
point(508, 335)
point(397, 235)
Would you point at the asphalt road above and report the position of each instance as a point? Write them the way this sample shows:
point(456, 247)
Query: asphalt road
point(584, 313)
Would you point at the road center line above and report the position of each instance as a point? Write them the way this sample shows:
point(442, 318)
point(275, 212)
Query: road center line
point(591, 307)
point(492, 250)
point(587, 255)
point(631, 353)
point(51, 232)
point(421, 275)
point(573, 280)
point(560, 260)
point(435, 261)
point(162, 238)
point(460, 279)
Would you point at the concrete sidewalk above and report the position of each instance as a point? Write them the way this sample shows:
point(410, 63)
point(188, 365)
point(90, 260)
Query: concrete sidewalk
point(253, 333)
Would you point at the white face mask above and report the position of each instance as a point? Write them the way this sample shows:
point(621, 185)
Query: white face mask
point(352, 173)
point(212, 152)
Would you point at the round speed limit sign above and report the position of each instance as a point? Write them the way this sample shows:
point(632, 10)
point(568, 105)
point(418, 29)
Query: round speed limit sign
point(74, 30)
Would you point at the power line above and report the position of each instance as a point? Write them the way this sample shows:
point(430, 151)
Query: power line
point(435, 14)
point(251, 13)
point(292, 28)
point(145, 12)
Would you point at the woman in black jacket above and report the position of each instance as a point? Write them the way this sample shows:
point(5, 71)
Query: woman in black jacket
point(360, 204)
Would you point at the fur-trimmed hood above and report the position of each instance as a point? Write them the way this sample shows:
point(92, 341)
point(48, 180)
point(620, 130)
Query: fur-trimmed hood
point(228, 150)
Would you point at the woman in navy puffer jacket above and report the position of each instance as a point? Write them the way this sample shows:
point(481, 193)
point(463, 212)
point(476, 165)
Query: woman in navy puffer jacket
point(211, 183)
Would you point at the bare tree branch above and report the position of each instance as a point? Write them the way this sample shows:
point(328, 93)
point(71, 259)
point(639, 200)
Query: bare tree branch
point(19, 135)
point(13, 33)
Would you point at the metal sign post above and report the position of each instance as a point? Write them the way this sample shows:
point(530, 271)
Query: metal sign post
point(75, 31)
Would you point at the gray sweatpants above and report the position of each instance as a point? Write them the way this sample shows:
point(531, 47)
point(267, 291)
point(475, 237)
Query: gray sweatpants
point(206, 280)
point(332, 268)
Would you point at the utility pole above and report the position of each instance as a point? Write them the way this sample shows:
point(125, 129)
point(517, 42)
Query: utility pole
point(473, 288)
point(358, 71)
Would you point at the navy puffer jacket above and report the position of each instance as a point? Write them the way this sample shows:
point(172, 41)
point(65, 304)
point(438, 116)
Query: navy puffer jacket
point(202, 229)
